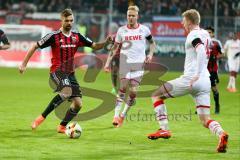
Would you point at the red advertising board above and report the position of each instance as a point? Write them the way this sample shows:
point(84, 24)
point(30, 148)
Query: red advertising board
point(54, 24)
point(169, 28)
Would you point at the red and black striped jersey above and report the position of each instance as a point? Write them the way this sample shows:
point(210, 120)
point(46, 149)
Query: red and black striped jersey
point(63, 48)
point(215, 51)
point(3, 38)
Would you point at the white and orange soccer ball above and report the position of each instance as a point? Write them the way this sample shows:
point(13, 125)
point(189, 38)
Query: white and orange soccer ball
point(73, 130)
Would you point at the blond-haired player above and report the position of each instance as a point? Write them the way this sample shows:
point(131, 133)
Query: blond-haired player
point(133, 38)
point(194, 81)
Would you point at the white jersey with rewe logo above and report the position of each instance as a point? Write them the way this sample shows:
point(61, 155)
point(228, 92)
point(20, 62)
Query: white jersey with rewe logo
point(232, 47)
point(194, 38)
point(133, 42)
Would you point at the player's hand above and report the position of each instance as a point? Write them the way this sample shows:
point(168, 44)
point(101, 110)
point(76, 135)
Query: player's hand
point(193, 81)
point(148, 59)
point(106, 68)
point(22, 68)
point(109, 40)
point(237, 55)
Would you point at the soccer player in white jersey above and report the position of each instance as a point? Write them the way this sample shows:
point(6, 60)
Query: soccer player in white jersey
point(194, 81)
point(232, 48)
point(132, 38)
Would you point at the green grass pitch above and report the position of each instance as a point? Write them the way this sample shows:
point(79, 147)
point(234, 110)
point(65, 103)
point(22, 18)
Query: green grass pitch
point(23, 97)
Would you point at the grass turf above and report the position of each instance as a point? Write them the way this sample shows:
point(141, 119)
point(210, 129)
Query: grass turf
point(23, 97)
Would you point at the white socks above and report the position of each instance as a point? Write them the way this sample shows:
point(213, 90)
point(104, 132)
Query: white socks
point(215, 127)
point(118, 108)
point(161, 114)
point(231, 83)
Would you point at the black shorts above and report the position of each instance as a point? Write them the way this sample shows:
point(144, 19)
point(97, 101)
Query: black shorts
point(115, 62)
point(58, 80)
point(214, 78)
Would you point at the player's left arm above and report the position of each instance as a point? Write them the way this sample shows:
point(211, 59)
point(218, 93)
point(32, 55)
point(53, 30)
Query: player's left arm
point(152, 44)
point(85, 41)
point(100, 45)
point(5, 42)
point(219, 49)
point(152, 48)
point(201, 58)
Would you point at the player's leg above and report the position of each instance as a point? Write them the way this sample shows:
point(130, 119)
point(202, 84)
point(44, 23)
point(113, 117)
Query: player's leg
point(160, 109)
point(70, 114)
point(231, 84)
point(234, 71)
point(174, 88)
point(233, 65)
point(204, 116)
point(114, 74)
point(134, 84)
point(214, 80)
point(61, 82)
point(135, 75)
point(119, 100)
point(202, 99)
point(76, 98)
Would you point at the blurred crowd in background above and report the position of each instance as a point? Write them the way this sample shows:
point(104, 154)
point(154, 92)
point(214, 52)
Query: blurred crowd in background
point(148, 7)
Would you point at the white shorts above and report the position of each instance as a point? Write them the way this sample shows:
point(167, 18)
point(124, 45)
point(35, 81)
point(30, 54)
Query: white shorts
point(233, 64)
point(200, 91)
point(132, 71)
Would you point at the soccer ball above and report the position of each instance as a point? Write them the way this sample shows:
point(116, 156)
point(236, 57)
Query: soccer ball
point(73, 130)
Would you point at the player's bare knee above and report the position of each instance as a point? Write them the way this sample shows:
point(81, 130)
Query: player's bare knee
point(158, 94)
point(122, 90)
point(66, 92)
point(77, 104)
point(132, 94)
point(204, 119)
point(133, 90)
point(214, 89)
point(155, 98)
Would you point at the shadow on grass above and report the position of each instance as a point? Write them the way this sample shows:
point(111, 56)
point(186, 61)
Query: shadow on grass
point(26, 133)
point(99, 128)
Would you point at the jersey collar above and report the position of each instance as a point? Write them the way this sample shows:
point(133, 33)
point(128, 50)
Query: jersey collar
point(133, 28)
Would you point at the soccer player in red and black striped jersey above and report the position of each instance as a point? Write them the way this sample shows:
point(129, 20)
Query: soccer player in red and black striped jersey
point(64, 44)
point(4, 43)
point(215, 54)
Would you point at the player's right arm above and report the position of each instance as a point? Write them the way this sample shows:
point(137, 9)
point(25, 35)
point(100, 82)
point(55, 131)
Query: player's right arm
point(226, 46)
point(111, 54)
point(114, 50)
point(43, 43)
point(30, 52)
point(201, 52)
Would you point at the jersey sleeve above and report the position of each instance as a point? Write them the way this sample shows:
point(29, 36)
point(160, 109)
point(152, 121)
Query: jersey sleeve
point(148, 33)
point(118, 38)
point(219, 47)
point(46, 41)
point(195, 40)
point(3, 38)
point(226, 46)
point(84, 41)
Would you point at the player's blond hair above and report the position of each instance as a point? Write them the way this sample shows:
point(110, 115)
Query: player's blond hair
point(66, 12)
point(192, 15)
point(131, 2)
point(133, 8)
